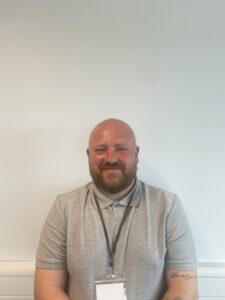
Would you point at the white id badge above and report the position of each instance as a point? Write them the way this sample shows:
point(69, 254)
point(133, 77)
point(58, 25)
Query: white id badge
point(110, 289)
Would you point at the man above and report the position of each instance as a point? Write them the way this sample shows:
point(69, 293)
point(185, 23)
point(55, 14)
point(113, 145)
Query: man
point(116, 232)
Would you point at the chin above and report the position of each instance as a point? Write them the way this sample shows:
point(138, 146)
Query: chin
point(112, 179)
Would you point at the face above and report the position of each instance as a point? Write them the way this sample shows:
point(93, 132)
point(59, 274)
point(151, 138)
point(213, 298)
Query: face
point(113, 157)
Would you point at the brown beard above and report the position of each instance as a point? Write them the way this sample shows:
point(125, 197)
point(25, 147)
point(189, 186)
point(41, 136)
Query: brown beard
point(124, 179)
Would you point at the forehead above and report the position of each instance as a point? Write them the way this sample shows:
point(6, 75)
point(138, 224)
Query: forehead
point(115, 136)
point(111, 135)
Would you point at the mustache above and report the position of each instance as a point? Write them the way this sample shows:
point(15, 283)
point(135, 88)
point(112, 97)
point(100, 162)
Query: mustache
point(111, 166)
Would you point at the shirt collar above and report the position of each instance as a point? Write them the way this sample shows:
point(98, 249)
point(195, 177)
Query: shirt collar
point(105, 202)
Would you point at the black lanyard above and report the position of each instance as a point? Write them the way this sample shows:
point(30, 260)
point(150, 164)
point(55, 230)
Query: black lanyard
point(112, 251)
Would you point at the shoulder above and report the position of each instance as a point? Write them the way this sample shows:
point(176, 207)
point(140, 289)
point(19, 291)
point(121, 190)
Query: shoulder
point(159, 198)
point(75, 193)
point(74, 197)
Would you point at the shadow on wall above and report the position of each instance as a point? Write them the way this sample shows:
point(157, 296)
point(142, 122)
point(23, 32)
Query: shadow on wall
point(151, 175)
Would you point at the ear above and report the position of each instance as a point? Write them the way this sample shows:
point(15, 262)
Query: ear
point(87, 151)
point(137, 150)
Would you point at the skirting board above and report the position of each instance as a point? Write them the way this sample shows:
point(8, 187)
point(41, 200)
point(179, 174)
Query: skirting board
point(16, 280)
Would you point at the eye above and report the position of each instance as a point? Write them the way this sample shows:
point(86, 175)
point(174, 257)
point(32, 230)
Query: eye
point(100, 150)
point(121, 148)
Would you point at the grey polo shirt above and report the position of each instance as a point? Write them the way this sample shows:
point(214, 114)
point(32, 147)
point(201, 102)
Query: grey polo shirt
point(156, 236)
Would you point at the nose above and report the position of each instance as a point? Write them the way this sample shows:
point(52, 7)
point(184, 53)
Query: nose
point(111, 156)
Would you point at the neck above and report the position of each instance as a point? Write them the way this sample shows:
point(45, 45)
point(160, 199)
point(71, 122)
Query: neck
point(120, 195)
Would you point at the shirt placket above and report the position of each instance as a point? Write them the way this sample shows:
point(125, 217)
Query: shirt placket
point(118, 211)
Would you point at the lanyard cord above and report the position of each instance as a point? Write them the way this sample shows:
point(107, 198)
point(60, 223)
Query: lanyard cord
point(112, 251)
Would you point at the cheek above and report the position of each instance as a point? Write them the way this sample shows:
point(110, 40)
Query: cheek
point(95, 161)
point(128, 159)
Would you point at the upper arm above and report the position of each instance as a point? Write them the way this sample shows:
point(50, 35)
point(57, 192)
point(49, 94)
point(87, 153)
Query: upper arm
point(51, 251)
point(182, 284)
point(49, 281)
point(180, 248)
point(181, 261)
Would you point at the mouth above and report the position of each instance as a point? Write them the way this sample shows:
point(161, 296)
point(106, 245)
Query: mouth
point(111, 169)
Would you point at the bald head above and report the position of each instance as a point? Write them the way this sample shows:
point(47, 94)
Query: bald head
point(113, 126)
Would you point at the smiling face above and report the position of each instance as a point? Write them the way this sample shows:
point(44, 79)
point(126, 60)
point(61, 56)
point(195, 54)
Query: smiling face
point(112, 156)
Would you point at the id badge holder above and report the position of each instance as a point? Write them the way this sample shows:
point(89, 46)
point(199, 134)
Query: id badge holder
point(110, 288)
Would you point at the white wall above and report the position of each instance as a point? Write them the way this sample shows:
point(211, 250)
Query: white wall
point(66, 65)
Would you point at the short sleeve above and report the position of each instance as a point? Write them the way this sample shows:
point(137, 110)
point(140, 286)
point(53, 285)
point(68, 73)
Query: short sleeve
point(180, 248)
point(51, 252)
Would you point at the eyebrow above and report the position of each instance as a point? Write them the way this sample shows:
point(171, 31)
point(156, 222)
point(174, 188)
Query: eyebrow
point(106, 146)
point(101, 145)
point(120, 145)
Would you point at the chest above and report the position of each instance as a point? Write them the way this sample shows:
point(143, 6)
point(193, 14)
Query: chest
point(139, 239)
